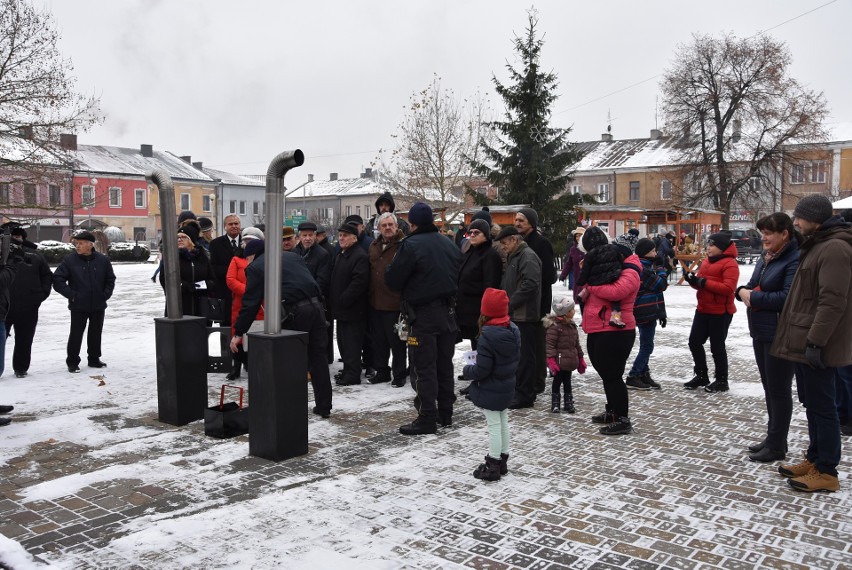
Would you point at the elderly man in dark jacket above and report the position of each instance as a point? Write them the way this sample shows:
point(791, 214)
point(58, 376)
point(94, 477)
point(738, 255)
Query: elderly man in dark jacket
point(814, 333)
point(86, 279)
point(350, 278)
point(526, 222)
point(522, 282)
point(315, 256)
point(425, 270)
point(32, 286)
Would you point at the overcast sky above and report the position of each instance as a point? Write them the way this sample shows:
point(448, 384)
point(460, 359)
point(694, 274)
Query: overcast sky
point(234, 83)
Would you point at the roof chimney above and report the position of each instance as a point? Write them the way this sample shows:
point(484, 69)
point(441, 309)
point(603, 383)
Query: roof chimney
point(606, 137)
point(187, 159)
point(147, 150)
point(67, 141)
point(332, 177)
point(25, 132)
point(310, 177)
point(656, 134)
point(198, 165)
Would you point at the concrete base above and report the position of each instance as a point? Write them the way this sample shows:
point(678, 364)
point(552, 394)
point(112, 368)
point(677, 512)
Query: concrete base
point(181, 346)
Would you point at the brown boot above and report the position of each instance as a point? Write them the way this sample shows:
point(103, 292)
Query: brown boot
point(815, 481)
point(797, 470)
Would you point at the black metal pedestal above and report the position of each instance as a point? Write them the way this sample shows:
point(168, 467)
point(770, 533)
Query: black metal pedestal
point(181, 346)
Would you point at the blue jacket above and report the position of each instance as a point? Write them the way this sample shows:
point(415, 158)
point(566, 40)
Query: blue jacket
point(650, 304)
point(497, 354)
point(774, 281)
point(86, 281)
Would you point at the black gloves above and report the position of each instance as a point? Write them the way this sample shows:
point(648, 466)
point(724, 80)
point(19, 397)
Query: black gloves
point(813, 354)
point(694, 280)
point(663, 323)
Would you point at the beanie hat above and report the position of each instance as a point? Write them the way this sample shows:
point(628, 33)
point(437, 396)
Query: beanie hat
point(482, 226)
point(563, 306)
point(251, 233)
point(254, 247)
point(626, 243)
point(84, 235)
point(287, 231)
point(186, 215)
point(722, 240)
point(206, 224)
point(495, 303)
point(531, 216)
point(349, 229)
point(508, 231)
point(420, 214)
point(633, 231)
point(483, 214)
point(814, 208)
point(191, 231)
point(643, 246)
point(592, 238)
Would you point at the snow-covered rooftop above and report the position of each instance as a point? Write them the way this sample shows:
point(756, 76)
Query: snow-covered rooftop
point(630, 153)
point(230, 178)
point(16, 149)
point(342, 188)
point(120, 160)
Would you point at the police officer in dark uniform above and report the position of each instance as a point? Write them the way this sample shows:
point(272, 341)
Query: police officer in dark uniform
point(300, 296)
point(425, 271)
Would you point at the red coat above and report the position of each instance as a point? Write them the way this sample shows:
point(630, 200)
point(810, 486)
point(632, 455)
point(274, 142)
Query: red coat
point(598, 306)
point(236, 281)
point(722, 274)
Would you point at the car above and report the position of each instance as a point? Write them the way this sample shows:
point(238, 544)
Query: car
point(746, 239)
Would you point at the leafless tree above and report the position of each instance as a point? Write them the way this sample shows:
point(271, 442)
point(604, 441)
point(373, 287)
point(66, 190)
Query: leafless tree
point(735, 106)
point(436, 142)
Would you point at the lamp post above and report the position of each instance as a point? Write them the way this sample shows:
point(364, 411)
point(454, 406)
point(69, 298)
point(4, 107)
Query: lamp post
point(94, 183)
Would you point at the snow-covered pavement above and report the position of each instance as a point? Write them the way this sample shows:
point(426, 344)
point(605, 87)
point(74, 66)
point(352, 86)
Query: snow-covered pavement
point(90, 479)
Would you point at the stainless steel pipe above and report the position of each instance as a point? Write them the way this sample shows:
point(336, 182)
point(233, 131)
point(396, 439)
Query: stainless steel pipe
point(168, 249)
point(274, 221)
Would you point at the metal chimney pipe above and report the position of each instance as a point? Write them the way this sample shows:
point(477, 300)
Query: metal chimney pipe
point(274, 220)
point(168, 218)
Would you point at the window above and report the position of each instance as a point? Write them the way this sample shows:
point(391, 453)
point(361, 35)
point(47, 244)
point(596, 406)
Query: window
point(4, 193)
point(206, 203)
point(348, 211)
point(30, 194)
point(366, 211)
point(141, 197)
point(242, 207)
point(255, 208)
point(666, 190)
point(53, 195)
point(576, 189)
point(634, 191)
point(232, 207)
point(139, 234)
point(115, 197)
point(88, 196)
point(358, 210)
point(797, 174)
point(603, 192)
point(818, 171)
point(754, 184)
point(185, 202)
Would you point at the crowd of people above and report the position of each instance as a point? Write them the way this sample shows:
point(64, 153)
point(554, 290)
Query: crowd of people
point(402, 296)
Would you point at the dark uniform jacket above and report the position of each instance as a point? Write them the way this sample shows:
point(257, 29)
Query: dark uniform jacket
point(425, 268)
point(350, 279)
point(87, 281)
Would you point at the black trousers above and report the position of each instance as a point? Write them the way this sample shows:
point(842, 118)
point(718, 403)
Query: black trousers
point(386, 343)
point(311, 319)
point(330, 336)
point(608, 352)
point(562, 378)
point(24, 323)
point(95, 319)
point(776, 375)
point(431, 346)
point(540, 358)
point(525, 388)
point(350, 341)
point(714, 327)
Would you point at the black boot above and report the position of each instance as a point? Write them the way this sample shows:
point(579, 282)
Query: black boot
point(554, 401)
point(235, 370)
point(504, 460)
point(569, 402)
point(719, 385)
point(422, 425)
point(488, 471)
point(646, 378)
point(700, 379)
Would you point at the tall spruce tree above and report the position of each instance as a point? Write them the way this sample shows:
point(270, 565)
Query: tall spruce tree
point(528, 159)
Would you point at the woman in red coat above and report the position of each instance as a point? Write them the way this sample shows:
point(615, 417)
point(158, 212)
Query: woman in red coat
point(236, 281)
point(716, 282)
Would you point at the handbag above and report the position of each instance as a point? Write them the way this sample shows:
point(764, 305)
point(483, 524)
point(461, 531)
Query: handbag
point(226, 420)
point(212, 308)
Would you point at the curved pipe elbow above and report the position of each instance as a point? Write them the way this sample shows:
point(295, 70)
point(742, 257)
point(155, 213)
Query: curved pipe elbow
point(284, 162)
point(161, 179)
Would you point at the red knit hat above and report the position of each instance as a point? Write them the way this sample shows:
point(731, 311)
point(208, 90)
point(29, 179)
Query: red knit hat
point(495, 303)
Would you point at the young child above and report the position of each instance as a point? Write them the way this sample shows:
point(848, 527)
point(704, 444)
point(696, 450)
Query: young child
point(649, 308)
point(564, 352)
point(498, 351)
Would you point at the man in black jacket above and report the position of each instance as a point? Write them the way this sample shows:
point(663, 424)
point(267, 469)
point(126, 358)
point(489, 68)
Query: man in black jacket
point(425, 270)
point(350, 279)
point(86, 279)
point(385, 203)
point(315, 256)
point(32, 286)
point(526, 222)
point(222, 250)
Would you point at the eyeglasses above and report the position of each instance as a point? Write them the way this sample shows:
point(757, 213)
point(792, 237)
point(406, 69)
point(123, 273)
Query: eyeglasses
point(182, 237)
point(472, 233)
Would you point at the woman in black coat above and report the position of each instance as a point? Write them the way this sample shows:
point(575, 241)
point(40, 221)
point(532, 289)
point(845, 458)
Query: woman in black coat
point(481, 268)
point(764, 295)
point(195, 270)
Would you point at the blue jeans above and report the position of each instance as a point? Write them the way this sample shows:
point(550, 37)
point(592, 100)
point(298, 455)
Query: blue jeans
point(646, 347)
point(2, 347)
point(823, 424)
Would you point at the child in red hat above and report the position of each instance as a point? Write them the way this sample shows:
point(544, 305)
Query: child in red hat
point(492, 388)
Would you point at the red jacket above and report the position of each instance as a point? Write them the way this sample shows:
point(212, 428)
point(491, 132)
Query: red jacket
point(598, 306)
point(236, 281)
point(722, 274)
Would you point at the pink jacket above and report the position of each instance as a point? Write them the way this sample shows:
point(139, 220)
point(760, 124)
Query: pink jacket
point(598, 306)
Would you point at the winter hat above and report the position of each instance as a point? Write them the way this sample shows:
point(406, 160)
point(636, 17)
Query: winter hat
point(253, 247)
point(387, 199)
point(483, 214)
point(563, 306)
point(420, 214)
point(722, 240)
point(482, 226)
point(592, 238)
point(814, 208)
point(643, 246)
point(307, 227)
point(531, 216)
point(206, 224)
point(349, 229)
point(354, 219)
point(633, 231)
point(192, 231)
point(186, 215)
point(495, 303)
point(251, 233)
point(626, 243)
point(287, 231)
point(20, 232)
point(320, 229)
point(507, 231)
point(580, 230)
point(84, 235)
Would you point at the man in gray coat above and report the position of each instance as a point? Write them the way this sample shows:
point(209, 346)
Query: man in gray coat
point(522, 282)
